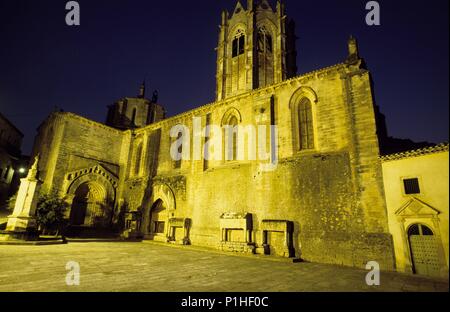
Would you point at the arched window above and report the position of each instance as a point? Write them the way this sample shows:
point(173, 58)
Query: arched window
point(264, 41)
point(233, 123)
point(238, 44)
point(305, 125)
point(137, 160)
point(264, 46)
point(231, 138)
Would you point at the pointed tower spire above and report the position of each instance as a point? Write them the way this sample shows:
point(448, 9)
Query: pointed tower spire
point(281, 8)
point(250, 5)
point(239, 8)
point(353, 46)
point(353, 51)
point(265, 5)
point(142, 90)
point(224, 17)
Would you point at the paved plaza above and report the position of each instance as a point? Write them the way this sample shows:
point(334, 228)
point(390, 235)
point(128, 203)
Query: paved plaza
point(149, 266)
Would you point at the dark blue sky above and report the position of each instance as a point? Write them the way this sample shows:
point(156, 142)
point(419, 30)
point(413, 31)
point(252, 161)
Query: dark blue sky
point(44, 63)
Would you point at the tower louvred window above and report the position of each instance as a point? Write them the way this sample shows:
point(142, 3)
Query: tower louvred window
point(238, 45)
point(264, 41)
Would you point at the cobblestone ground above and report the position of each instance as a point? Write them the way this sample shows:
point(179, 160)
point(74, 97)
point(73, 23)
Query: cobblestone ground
point(120, 266)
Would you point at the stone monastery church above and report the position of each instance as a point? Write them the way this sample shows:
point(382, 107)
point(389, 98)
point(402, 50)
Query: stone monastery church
point(323, 201)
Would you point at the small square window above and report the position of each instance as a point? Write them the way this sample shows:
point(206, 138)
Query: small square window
point(411, 186)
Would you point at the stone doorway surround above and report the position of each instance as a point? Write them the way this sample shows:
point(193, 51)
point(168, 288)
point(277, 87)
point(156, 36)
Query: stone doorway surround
point(158, 221)
point(416, 211)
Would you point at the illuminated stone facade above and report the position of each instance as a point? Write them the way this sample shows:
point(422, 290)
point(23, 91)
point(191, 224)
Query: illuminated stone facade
point(323, 201)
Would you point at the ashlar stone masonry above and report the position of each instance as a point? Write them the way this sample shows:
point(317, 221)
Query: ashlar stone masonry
point(323, 202)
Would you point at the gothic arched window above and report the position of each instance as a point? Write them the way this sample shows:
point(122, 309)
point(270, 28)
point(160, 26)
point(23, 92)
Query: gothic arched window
point(265, 44)
point(238, 44)
point(231, 138)
point(305, 125)
point(233, 123)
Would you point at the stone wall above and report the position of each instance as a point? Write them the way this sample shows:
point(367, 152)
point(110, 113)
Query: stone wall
point(333, 194)
point(72, 148)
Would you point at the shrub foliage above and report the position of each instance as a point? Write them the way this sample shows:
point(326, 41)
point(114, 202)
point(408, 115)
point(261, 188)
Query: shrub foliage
point(50, 213)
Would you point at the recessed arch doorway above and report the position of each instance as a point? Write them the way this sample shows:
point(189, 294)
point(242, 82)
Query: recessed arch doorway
point(158, 219)
point(89, 205)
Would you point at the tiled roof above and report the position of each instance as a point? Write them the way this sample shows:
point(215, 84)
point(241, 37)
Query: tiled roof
point(443, 147)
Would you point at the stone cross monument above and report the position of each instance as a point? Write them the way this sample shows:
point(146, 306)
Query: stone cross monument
point(22, 223)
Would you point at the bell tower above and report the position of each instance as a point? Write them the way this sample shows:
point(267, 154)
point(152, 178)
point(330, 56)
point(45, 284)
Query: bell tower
point(256, 48)
point(135, 112)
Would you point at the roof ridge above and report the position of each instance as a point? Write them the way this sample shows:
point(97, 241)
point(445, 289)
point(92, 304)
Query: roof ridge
point(441, 147)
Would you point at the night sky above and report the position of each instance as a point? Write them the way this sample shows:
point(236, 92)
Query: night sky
point(46, 64)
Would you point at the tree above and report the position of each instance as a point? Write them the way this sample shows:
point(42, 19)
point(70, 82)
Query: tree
point(11, 202)
point(50, 212)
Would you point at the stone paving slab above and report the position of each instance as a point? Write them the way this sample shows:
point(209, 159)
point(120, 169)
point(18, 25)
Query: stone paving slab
point(123, 266)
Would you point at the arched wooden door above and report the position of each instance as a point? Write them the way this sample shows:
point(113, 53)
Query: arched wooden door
point(424, 250)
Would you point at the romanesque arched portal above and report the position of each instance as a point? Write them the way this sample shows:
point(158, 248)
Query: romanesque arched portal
point(90, 206)
point(91, 195)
